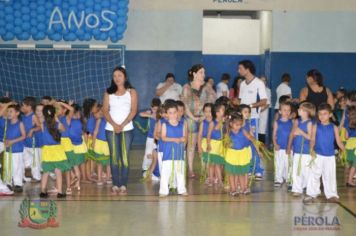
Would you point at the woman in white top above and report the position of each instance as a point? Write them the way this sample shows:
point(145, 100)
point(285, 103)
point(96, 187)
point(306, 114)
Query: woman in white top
point(119, 107)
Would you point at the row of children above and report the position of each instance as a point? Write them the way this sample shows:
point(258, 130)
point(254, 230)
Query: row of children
point(51, 138)
point(306, 143)
point(225, 143)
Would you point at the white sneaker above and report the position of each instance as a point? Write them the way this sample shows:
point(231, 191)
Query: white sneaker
point(26, 179)
point(5, 191)
point(155, 178)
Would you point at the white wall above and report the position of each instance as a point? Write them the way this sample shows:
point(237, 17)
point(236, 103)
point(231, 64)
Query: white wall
point(231, 36)
point(164, 30)
point(317, 5)
point(296, 31)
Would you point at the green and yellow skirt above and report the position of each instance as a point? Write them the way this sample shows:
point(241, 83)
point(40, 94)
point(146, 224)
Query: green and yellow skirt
point(54, 157)
point(216, 154)
point(101, 152)
point(238, 162)
point(350, 151)
point(77, 157)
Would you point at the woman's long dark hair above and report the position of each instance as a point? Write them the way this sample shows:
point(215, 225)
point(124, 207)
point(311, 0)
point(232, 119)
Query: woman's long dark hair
point(113, 87)
point(317, 76)
point(49, 113)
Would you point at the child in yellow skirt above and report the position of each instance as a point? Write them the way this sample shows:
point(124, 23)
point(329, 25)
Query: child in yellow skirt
point(90, 108)
point(79, 146)
point(208, 110)
point(65, 113)
point(238, 154)
point(215, 146)
point(54, 158)
point(350, 126)
point(101, 149)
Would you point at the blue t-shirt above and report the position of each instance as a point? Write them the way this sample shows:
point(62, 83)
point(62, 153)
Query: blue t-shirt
point(152, 124)
point(324, 139)
point(101, 132)
point(173, 150)
point(205, 128)
point(283, 132)
point(160, 142)
point(76, 131)
point(13, 131)
point(39, 139)
point(217, 134)
point(300, 141)
point(65, 133)
point(47, 137)
point(2, 128)
point(91, 124)
point(239, 140)
point(27, 121)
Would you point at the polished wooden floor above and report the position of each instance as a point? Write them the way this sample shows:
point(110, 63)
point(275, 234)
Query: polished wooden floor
point(206, 211)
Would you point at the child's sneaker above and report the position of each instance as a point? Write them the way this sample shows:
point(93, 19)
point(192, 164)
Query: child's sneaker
point(308, 200)
point(333, 200)
point(296, 194)
point(258, 177)
point(289, 188)
point(277, 184)
point(6, 192)
point(155, 178)
point(18, 189)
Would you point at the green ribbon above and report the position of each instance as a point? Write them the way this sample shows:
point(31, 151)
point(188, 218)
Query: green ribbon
point(143, 130)
point(123, 150)
point(114, 157)
point(171, 178)
point(300, 158)
point(290, 179)
point(8, 166)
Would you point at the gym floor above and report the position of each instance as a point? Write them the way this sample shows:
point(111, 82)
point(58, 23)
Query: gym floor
point(206, 211)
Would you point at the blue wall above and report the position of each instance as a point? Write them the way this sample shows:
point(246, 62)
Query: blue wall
point(215, 65)
point(338, 69)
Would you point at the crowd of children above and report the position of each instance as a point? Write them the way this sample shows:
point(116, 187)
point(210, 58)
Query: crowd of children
point(306, 140)
point(55, 138)
point(52, 138)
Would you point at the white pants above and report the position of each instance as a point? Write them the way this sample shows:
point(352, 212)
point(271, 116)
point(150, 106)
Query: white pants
point(324, 167)
point(159, 161)
point(263, 122)
point(30, 155)
point(281, 162)
point(16, 169)
point(178, 175)
point(300, 181)
point(150, 146)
